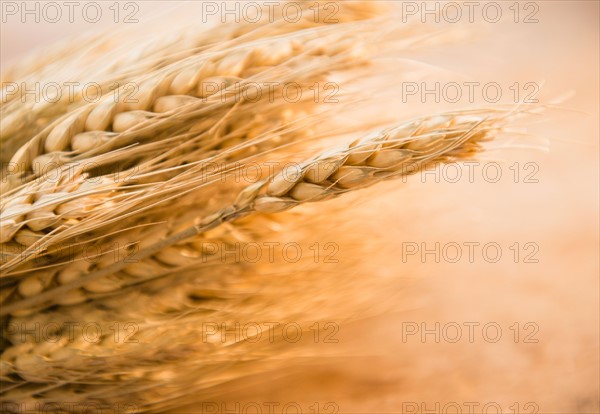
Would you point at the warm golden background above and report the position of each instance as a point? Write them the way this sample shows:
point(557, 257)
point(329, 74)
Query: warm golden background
point(560, 294)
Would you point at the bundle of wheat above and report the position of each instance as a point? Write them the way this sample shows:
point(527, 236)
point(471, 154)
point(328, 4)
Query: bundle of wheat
point(155, 178)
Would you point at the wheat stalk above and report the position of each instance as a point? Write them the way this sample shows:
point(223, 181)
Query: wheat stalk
point(58, 203)
point(164, 92)
point(52, 208)
point(94, 62)
point(398, 151)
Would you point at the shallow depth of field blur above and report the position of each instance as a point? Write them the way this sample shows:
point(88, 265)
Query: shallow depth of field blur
point(552, 303)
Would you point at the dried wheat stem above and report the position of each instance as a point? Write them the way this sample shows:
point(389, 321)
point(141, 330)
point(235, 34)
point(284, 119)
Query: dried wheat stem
point(21, 120)
point(174, 87)
point(394, 152)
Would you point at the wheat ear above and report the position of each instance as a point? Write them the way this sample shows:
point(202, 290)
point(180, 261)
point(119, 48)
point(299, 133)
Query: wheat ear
point(398, 151)
point(94, 61)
